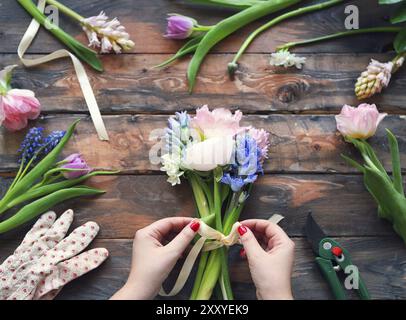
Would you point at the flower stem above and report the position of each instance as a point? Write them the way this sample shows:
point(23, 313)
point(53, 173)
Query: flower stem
point(202, 28)
point(200, 199)
point(398, 61)
point(276, 20)
point(69, 12)
point(339, 35)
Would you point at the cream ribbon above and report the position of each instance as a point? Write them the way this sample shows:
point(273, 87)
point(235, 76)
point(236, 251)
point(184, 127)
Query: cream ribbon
point(219, 240)
point(79, 69)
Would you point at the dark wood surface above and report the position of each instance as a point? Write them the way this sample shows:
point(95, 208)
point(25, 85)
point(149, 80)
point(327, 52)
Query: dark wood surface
point(305, 171)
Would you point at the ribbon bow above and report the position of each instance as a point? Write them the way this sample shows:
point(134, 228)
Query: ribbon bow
point(219, 240)
point(79, 69)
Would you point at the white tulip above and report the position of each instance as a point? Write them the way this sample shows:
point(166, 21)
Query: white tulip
point(207, 155)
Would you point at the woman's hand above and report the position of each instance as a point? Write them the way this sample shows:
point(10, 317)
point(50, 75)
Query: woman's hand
point(152, 261)
point(270, 260)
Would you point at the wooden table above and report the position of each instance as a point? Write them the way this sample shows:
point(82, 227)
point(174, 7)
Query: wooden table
point(305, 171)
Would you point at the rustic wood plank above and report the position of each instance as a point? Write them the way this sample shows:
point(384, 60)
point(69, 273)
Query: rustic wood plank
point(145, 19)
point(340, 204)
point(299, 143)
point(130, 84)
point(381, 262)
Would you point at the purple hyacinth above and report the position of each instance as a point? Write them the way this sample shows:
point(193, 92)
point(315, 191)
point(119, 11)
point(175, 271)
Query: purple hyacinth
point(179, 27)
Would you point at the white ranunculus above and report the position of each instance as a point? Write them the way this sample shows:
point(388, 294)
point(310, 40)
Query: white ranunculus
point(207, 155)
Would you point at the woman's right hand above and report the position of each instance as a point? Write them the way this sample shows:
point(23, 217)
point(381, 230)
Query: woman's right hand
point(270, 260)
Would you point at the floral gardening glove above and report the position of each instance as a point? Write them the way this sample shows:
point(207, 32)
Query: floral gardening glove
point(45, 261)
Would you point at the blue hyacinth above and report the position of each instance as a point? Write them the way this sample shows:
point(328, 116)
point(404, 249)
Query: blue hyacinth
point(177, 135)
point(246, 164)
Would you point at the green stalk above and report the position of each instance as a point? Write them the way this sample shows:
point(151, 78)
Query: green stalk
point(233, 65)
point(64, 9)
point(200, 198)
point(396, 167)
point(234, 4)
point(340, 35)
point(40, 206)
point(203, 199)
point(199, 275)
point(200, 28)
point(226, 286)
point(50, 188)
point(81, 51)
point(227, 26)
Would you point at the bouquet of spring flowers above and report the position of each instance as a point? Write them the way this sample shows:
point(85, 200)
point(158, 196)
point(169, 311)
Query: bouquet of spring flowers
point(41, 181)
point(357, 125)
point(221, 160)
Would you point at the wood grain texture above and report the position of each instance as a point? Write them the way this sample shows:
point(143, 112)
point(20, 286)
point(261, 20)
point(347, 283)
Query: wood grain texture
point(131, 85)
point(145, 19)
point(381, 262)
point(299, 143)
point(340, 204)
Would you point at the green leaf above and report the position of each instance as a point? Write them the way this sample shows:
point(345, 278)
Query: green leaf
point(189, 47)
point(235, 4)
point(400, 41)
point(389, 1)
point(229, 25)
point(396, 169)
point(41, 205)
point(50, 188)
point(400, 15)
point(391, 202)
point(353, 163)
point(81, 51)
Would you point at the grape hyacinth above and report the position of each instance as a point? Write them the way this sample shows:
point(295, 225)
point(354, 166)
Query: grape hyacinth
point(52, 140)
point(35, 146)
point(31, 144)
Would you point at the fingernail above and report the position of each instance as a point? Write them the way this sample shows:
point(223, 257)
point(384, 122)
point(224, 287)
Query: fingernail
point(195, 225)
point(243, 254)
point(242, 230)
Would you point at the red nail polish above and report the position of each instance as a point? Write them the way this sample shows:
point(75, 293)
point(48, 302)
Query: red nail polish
point(242, 230)
point(195, 225)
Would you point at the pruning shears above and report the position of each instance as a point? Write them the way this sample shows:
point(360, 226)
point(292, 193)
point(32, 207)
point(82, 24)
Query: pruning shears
point(333, 260)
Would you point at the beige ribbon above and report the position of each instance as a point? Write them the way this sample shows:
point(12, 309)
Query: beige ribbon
point(219, 240)
point(79, 69)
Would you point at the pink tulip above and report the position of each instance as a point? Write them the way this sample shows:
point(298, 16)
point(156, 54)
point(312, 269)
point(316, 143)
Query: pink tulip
point(17, 106)
point(217, 123)
point(360, 122)
point(75, 161)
